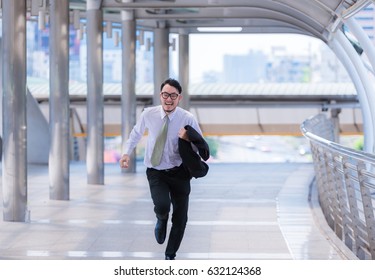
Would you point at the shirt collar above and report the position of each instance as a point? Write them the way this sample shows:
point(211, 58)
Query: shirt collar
point(170, 116)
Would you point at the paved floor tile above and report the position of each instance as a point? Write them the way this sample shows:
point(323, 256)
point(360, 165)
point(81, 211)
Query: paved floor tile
point(238, 211)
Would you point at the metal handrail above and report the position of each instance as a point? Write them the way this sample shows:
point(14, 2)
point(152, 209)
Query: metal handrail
point(333, 145)
point(345, 181)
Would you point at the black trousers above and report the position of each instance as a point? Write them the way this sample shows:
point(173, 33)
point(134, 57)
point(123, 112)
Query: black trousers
point(171, 187)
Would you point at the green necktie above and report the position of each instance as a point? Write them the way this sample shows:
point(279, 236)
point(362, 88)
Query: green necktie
point(160, 143)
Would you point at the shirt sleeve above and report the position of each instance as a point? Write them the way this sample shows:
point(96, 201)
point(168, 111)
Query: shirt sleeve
point(135, 135)
point(194, 124)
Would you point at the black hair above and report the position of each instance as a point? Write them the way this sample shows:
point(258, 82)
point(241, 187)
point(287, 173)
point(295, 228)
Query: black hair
point(172, 82)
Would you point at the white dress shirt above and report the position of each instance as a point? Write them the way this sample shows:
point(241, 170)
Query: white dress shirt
point(152, 120)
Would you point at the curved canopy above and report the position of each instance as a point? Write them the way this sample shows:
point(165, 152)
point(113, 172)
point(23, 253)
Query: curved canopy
point(310, 17)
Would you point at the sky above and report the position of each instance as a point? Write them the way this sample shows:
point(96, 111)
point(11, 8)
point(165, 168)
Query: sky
point(207, 50)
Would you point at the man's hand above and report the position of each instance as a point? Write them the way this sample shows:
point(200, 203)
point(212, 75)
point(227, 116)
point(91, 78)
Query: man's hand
point(183, 134)
point(124, 161)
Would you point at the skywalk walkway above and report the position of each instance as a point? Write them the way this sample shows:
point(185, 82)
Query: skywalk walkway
point(238, 211)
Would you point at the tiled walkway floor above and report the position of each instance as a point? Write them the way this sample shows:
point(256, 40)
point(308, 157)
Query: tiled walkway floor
point(238, 211)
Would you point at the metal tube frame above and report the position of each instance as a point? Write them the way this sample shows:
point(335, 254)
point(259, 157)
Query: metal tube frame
point(369, 49)
point(346, 53)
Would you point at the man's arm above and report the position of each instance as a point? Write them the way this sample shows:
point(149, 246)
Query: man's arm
point(134, 137)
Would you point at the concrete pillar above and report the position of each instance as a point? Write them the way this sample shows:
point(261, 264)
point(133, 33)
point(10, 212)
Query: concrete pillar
point(59, 100)
point(95, 100)
point(14, 161)
point(128, 97)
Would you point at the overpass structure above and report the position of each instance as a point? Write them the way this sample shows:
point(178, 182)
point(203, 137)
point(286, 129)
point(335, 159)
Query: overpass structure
point(326, 20)
point(227, 109)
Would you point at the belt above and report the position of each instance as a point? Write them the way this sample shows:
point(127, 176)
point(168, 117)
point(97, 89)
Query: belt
point(167, 170)
point(171, 169)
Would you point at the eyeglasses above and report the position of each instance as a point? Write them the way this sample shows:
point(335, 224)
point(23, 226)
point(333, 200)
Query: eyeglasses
point(165, 95)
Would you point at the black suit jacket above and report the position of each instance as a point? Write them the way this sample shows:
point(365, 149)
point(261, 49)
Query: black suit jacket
point(191, 160)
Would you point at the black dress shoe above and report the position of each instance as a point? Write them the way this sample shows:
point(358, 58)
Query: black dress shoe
point(161, 230)
point(170, 258)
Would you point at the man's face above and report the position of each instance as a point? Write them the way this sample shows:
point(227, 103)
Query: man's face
point(169, 98)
